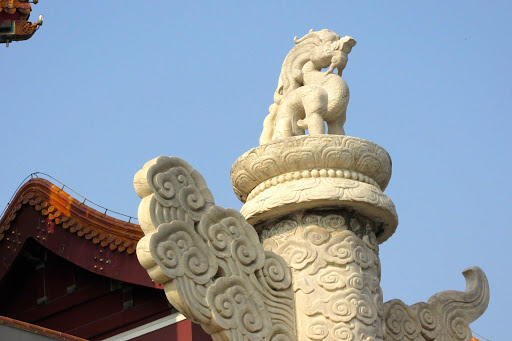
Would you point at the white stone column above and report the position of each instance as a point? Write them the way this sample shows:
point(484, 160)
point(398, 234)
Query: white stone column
point(335, 267)
point(301, 259)
point(317, 202)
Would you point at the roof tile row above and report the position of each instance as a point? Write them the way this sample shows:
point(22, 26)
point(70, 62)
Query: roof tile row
point(11, 6)
point(73, 216)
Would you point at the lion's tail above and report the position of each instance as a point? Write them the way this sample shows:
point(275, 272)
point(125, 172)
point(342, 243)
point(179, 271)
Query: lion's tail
point(269, 125)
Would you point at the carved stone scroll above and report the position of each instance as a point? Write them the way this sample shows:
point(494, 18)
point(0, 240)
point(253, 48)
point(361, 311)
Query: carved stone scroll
point(209, 259)
point(445, 317)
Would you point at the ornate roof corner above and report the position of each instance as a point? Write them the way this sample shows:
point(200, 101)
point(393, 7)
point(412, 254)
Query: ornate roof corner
point(14, 24)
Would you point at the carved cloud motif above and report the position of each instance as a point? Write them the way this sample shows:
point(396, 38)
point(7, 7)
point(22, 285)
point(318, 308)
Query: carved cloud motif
point(209, 259)
point(445, 317)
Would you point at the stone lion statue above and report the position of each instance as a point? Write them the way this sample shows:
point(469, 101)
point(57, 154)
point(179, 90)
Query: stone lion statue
point(307, 95)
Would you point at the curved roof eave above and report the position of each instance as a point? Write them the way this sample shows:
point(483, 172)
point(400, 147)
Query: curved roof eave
point(69, 228)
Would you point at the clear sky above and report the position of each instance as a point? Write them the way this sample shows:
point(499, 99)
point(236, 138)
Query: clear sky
point(105, 86)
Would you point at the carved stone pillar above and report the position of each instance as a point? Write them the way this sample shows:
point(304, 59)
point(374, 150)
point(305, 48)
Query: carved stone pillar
point(317, 202)
point(301, 259)
point(335, 267)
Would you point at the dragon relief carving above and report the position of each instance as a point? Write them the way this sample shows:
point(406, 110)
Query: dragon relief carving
point(306, 96)
point(209, 259)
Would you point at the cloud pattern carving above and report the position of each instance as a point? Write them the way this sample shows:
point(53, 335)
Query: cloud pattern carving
point(209, 259)
point(336, 274)
point(445, 317)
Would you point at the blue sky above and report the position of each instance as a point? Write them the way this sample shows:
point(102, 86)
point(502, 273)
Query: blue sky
point(104, 87)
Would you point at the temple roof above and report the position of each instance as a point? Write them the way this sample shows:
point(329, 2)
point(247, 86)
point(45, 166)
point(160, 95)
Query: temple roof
point(11, 6)
point(88, 238)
